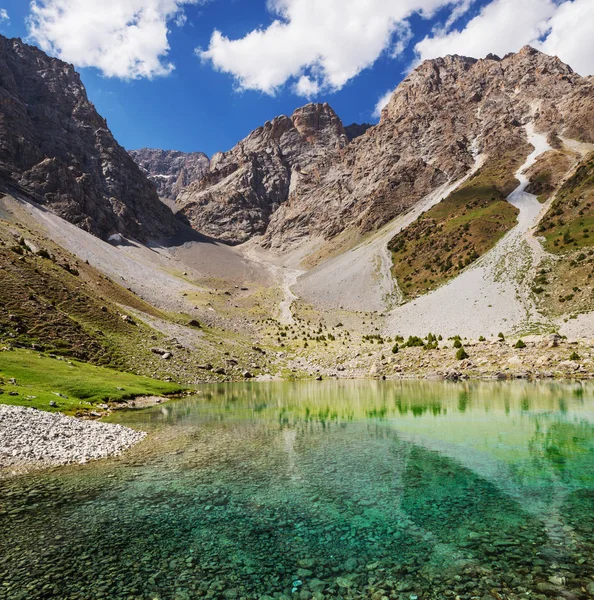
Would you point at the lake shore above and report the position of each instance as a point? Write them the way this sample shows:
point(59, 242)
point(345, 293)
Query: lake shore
point(31, 439)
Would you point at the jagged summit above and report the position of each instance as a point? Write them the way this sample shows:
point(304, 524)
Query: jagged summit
point(244, 186)
point(444, 113)
point(57, 149)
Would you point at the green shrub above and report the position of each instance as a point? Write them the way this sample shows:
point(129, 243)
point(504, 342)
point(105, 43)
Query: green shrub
point(457, 344)
point(395, 349)
point(431, 342)
point(500, 336)
point(482, 338)
point(574, 356)
point(461, 354)
point(414, 342)
point(520, 344)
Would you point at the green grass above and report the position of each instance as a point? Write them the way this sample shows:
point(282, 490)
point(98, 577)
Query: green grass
point(457, 231)
point(569, 223)
point(39, 378)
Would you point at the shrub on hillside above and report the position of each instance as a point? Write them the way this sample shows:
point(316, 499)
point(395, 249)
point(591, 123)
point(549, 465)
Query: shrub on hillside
point(461, 354)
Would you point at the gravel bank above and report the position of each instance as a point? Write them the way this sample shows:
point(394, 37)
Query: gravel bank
point(30, 437)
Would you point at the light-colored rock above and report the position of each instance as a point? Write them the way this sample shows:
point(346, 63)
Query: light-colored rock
point(30, 437)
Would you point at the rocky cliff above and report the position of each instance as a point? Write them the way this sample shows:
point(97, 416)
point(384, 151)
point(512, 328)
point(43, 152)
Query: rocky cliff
point(439, 118)
point(171, 170)
point(236, 198)
point(56, 148)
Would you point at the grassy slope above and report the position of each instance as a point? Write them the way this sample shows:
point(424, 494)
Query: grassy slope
point(458, 230)
point(566, 285)
point(547, 173)
point(51, 301)
point(40, 377)
point(569, 224)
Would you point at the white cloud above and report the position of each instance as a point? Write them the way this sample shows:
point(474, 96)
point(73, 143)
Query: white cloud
point(560, 28)
point(571, 35)
point(306, 86)
point(382, 103)
point(327, 41)
point(121, 38)
point(4, 15)
point(181, 19)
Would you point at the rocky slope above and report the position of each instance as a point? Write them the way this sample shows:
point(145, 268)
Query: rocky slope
point(56, 148)
point(171, 170)
point(439, 118)
point(236, 198)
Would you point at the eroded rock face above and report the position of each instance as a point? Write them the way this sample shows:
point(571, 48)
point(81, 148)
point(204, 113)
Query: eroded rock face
point(235, 199)
point(171, 170)
point(438, 119)
point(56, 148)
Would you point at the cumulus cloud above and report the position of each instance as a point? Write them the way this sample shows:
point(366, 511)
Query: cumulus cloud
point(306, 86)
point(4, 16)
point(328, 42)
point(560, 28)
point(121, 38)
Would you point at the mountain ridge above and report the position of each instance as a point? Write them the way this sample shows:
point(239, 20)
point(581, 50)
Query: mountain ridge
point(58, 150)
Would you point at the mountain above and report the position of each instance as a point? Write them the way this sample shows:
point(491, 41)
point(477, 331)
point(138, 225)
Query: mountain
point(354, 130)
point(244, 186)
point(56, 149)
point(445, 113)
point(171, 170)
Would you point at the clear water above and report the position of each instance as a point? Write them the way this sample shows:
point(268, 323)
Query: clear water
point(321, 490)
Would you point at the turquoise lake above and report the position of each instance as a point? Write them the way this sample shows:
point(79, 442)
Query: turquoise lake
point(368, 489)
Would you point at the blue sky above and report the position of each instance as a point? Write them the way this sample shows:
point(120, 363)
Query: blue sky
point(345, 52)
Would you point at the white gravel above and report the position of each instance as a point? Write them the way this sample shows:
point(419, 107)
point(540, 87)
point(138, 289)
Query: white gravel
point(30, 437)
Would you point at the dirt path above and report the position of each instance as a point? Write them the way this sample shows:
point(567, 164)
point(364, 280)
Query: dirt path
point(285, 277)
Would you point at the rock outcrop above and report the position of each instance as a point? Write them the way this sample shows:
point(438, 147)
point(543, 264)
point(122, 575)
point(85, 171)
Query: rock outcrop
point(443, 114)
point(171, 170)
point(55, 148)
point(355, 130)
point(236, 198)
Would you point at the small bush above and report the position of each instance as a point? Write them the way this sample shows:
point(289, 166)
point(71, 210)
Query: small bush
point(520, 344)
point(414, 341)
point(500, 336)
point(574, 356)
point(482, 338)
point(457, 344)
point(461, 354)
point(395, 349)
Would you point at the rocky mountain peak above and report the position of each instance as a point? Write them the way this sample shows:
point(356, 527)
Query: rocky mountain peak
point(438, 119)
point(244, 186)
point(171, 170)
point(315, 121)
point(58, 150)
